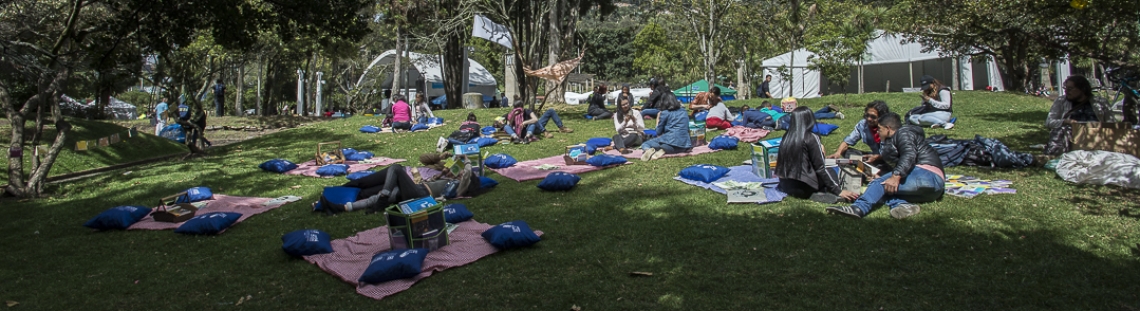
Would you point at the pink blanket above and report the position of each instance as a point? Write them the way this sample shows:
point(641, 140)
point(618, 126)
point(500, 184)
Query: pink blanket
point(246, 206)
point(746, 134)
point(310, 168)
point(351, 256)
point(525, 170)
point(636, 154)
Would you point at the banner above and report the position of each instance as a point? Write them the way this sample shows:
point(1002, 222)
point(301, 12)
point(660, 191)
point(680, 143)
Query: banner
point(486, 29)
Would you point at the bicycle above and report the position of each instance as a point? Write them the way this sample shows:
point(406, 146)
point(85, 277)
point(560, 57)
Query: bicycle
point(1123, 78)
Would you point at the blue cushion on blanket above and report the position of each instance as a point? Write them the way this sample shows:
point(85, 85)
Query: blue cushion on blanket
point(593, 144)
point(337, 195)
point(703, 172)
point(559, 181)
point(824, 128)
point(358, 175)
point(358, 156)
point(701, 116)
point(606, 160)
point(486, 141)
point(119, 217)
point(278, 165)
point(195, 194)
point(435, 121)
point(487, 183)
point(510, 235)
point(348, 151)
point(394, 265)
point(333, 170)
point(651, 133)
point(209, 223)
point(419, 127)
point(456, 213)
point(369, 129)
point(306, 242)
point(723, 142)
point(500, 160)
point(489, 130)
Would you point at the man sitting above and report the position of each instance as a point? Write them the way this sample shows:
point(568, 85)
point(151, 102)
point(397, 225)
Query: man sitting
point(917, 176)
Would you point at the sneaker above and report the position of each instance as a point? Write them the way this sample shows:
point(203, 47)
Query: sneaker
point(904, 210)
point(849, 211)
point(648, 153)
point(934, 126)
point(840, 115)
point(548, 135)
point(948, 126)
point(824, 197)
point(566, 130)
point(657, 155)
point(531, 139)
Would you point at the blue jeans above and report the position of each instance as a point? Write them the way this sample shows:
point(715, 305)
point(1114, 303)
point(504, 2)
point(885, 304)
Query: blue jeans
point(652, 113)
point(657, 144)
point(511, 130)
point(422, 120)
point(785, 122)
point(932, 118)
point(919, 187)
point(824, 113)
point(545, 118)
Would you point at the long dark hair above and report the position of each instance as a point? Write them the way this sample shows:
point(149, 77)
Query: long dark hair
point(1081, 83)
point(796, 139)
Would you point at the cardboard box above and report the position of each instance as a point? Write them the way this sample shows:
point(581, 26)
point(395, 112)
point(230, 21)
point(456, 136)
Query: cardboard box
point(423, 229)
point(1115, 137)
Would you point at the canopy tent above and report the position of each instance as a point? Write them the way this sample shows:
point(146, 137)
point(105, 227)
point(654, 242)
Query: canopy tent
point(427, 76)
point(686, 93)
point(891, 64)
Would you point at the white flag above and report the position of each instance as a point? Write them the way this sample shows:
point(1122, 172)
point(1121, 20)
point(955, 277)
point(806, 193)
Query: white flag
point(486, 29)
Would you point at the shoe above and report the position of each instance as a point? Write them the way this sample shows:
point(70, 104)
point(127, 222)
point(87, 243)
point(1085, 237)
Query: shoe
point(626, 151)
point(904, 210)
point(840, 115)
point(767, 128)
point(824, 197)
point(948, 126)
point(657, 155)
point(566, 130)
point(648, 153)
point(934, 126)
point(531, 139)
point(849, 211)
point(548, 135)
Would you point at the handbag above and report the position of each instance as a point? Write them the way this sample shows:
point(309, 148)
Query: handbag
point(1060, 140)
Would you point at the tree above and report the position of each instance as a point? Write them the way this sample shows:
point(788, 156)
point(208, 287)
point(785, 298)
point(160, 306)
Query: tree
point(841, 41)
point(706, 21)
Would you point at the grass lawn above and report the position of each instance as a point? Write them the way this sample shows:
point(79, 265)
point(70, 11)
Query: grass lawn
point(129, 149)
point(1054, 245)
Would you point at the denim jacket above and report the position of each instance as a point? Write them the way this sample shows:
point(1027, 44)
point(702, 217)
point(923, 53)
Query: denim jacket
point(673, 128)
point(862, 132)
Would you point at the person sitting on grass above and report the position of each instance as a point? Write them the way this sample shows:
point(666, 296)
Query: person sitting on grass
point(421, 111)
point(917, 176)
point(658, 90)
point(401, 113)
point(867, 130)
point(703, 101)
point(629, 125)
point(937, 105)
point(800, 163)
point(520, 118)
point(672, 131)
point(597, 109)
point(719, 118)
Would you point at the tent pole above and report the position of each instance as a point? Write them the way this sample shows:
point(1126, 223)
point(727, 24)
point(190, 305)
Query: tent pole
point(910, 67)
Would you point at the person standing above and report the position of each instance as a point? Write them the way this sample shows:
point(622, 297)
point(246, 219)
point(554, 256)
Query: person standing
point(765, 91)
point(160, 116)
point(220, 98)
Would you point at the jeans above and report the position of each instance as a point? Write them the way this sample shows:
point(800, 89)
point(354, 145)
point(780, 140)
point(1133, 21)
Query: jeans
point(402, 125)
point(158, 127)
point(422, 120)
point(919, 187)
point(784, 122)
point(652, 113)
point(824, 113)
point(657, 144)
point(931, 118)
point(511, 130)
point(624, 142)
point(550, 114)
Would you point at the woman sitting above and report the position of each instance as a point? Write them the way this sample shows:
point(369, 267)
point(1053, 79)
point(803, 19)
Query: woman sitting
point(597, 109)
point(719, 118)
point(672, 131)
point(937, 105)
point(1077, 106)
point(629, 125)
point(401, 113)
point(800, 162)
point(701, 102)
point(867, 131)
point(422, 110)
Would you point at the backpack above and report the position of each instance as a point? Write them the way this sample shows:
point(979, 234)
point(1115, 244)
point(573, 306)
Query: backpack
point(183, 112)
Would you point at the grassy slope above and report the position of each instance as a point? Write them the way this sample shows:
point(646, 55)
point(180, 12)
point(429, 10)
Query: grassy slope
point(70, 160)
point(1052, 246)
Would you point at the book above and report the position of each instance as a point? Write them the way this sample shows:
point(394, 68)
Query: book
point(746, 196)
point(415, 205)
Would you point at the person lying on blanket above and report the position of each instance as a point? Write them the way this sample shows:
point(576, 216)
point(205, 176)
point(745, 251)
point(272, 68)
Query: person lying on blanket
point(867, 130)
point(778, 121)
point(800, 163)
point(467, 130)
point(672, 132)
point(393, 185)
point(917, 176)
point(520, 118)
point(757, 119)
point(719, 118)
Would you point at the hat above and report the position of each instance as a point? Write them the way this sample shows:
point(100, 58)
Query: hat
point(925, 81)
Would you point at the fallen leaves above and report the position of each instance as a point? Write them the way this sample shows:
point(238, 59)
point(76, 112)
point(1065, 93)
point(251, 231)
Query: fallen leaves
point(639, 273)
point(244, 299)
point(12, 303)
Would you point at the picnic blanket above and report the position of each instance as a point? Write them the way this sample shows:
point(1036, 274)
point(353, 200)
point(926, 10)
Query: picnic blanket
point(393, 130)
point(310, 168)
point(746, 134)
point(246, 206)
point(636, 154)
point(740, 174)
point(351, 256)
point(526, 170)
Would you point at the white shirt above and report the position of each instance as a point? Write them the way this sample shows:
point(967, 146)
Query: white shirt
point(626, 127)
point(720, 111)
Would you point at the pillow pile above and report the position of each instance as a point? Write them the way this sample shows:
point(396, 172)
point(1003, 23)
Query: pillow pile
point(278, 165)
point(603, 160)
point(119, 217)
point(510, 235)
point(394, 265)
point(306, 242)
point(209, 223)
point(333, 170)
point(559, 181)
point(703, 172)
point(457, 213)
point(500, 160)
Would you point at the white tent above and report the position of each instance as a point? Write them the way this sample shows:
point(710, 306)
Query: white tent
point(806, 81)
point(428, 74)
point(116, 109)
point(577, 98)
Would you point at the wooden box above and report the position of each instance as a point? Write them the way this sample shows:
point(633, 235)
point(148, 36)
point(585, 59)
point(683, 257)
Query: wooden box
point(576, 155)
point(327, 156)
point(168, 211)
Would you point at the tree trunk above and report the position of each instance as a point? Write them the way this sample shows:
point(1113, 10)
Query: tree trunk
point(398, 64)
point(555, 49)
point(239, 85)
point(453, 71)
point(48, 98)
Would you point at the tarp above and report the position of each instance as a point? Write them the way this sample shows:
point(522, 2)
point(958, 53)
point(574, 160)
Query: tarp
point(116, 109)
point(702, 86)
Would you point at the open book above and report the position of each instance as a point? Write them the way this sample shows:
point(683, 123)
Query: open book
point(746, 195)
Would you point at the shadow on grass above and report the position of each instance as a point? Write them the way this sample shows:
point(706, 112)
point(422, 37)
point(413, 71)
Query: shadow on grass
point(1029, 117)
point(1106, 200)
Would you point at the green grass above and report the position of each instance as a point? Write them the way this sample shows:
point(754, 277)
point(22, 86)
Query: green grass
point(70, 161)
point(1054, 245)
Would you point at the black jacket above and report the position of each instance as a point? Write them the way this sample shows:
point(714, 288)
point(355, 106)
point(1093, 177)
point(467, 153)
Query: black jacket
point(812, 171)
point(908, 148)
point(657, 97)
point(597, 104)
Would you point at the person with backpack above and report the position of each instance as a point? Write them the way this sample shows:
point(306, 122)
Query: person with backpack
point(937, 105)
point(765, 90)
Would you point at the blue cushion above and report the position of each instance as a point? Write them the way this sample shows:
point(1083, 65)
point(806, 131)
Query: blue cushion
point(394, 265)
point(489, 130)
point(418, 127)
point(500, 160)
point(606, 160)
point(559, 181)
point(457, 213)
point(486, 182)
point(510, 235)
point(358, 156)
point(737, 123)
point(593, 144)
point(358, 175)
point(701, 116)
point(333, 170)
point(486, 141)
point(369, 129)
point(338, 195)
point(119, 217)
point(435, 121)
point(173, 132)
point(209, 223)
point(824, 128)
point(651, 133)
point(703, 172)
point(306, 242)
point(195, 194)
point(348, 151)
point(588, 116)
point(723, 142)
point(278, 165)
